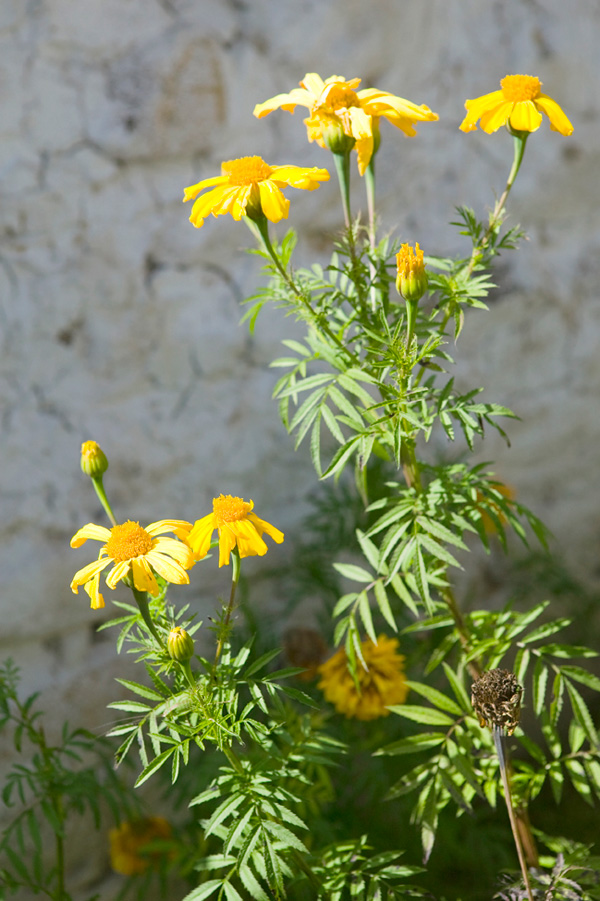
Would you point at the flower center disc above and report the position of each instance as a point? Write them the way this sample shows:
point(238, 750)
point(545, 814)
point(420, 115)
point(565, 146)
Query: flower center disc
point(230, 509)
point(128, 541)
point(335, 97)
point(520, 87)
point(246, 170)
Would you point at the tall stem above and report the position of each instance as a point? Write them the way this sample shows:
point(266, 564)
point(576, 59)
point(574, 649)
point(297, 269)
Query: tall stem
point(141, 599)
point(370, 186)
point(99, 489)
point(502, 759)
point(235, 578)
point(342, 167)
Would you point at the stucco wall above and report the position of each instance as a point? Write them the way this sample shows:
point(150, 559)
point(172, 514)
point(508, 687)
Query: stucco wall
point(120, 321)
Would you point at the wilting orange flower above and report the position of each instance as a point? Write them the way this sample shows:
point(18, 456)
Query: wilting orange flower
point(250, 187)
point(381, 684)
point(237, 527)
point(137, 552)
point(520, 103)
point(128, 841)
point(336, 102)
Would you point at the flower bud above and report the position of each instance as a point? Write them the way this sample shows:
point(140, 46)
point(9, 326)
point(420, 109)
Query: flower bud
point(180, 645)
point(93, 460)
point(411, 281)
point(333, 135)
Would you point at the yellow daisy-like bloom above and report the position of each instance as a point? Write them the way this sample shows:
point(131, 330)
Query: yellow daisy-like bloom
point(381, 685)
point(237, 527)
point(137, 552)
point(520, 103)
point(336, 101)
point(250, 187)
point(128, 840)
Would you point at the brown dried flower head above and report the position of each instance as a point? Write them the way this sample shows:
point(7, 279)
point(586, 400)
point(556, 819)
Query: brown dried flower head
point(496, 699)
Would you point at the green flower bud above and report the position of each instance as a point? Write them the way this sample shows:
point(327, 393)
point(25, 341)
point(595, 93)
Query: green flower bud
point(333, 135)
point(411, 281)
point(93, 460)
point(180, 645)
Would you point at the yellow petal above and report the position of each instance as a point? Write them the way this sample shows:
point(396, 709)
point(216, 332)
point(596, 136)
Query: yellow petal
point(99, 533)
point(249, 542)
point(199, 537)
point(88, 572)
point(92, 588)
point(227, 542)
point(167, 568)
point(143, 577)
point(169, 525)
point(558, 120)
point(274, 205)
point(118, 572)
point(175, 549)
point(492, 120)
point(314, 84)
point(262, 526)
point(525, 116)
point(194, 190)
point(476, 108)
point(298, 177)
point(287, 102)
point(205, 204)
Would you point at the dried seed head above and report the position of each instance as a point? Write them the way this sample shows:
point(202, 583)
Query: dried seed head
point(496, 699)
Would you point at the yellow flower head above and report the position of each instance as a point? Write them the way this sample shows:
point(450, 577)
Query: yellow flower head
point(128, 841)
point(411, 280)
point(250, 187)
point(520, 103)
point(237, 526)
point(336, 101)
point(137, 552)
point(93, 460)
point(381, 684)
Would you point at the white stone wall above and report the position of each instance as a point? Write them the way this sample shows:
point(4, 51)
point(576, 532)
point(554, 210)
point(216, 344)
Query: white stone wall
point(119, 320)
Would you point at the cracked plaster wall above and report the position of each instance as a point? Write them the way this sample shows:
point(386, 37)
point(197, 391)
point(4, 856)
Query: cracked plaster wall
point(119, 320)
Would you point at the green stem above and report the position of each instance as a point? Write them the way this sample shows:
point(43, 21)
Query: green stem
point(370, 187)
point(342, 167)
point(235, 578)
point(520, 140)
point(99, 489)
point(60, 857)
point(503, 761)
point(260, 227)
point(141, 599)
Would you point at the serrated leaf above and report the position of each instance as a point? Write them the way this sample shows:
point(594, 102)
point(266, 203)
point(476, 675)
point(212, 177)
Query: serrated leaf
point(437, 698)
point(582, 714)
point(384, 605)
point(426, 715)
point(353, 572)
point(540, 680)
point(412, 744)
point(153, 766)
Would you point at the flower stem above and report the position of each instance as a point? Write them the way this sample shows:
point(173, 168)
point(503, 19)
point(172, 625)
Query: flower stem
point(99, 489)
point(141, 599)
point(503, 761)
point(370, 187)
point(342, 167)
point(520, 140)
point(235, 578)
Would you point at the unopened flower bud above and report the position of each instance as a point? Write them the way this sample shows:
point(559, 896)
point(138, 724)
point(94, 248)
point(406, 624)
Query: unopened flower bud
point(180, 645)
point(93, 460)
point(333, 135)
point(496, 699)
point(411, 281)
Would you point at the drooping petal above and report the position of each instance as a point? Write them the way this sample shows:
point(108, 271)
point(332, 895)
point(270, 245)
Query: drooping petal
point(194, 190)
point(175, 549)
point(169, 569)
point(380, 103)
point(238, 203)
point(169, 525)
point(88, 572)
point(93, 589)
point(98, 533)
point(249, 542)
point(476, 108)
point(118, 572)
point(298, 177)
point(227, 542)
point(492, 120)
point(405, 125)
point(262, 526)
point(558, 120)
point(288, 102)
point(362, 132)
point(208, 202)
point(143, 577)
point(274, 205)
point(525, 116)
point(200, 535)
point(314, 84)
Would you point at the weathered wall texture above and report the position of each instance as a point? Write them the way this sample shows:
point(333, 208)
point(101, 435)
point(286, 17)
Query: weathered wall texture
point(120, 321)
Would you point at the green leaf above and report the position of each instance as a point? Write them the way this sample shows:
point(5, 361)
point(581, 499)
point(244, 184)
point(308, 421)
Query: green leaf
point(582, 714)
point(153, 766)
point(141, 690)
point(364, 610)
point(412, 744)
point(437, 698)
point(547, 629)
point(426, 715)
point(458, 689)
point(353, 572)
point(540, 680)
point(204, 891)
point(384, 605)
point(582, 675)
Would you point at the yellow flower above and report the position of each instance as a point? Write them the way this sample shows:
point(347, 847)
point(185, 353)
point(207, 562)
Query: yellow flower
point(237, 526)
point(381, 685)
point(520, 103)
point(135, 551)
point(250, 187)
point(128, 841)
point(411, 280)
point(336, 100)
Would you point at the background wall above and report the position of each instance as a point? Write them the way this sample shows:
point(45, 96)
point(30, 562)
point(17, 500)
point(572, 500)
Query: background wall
point(120, 321)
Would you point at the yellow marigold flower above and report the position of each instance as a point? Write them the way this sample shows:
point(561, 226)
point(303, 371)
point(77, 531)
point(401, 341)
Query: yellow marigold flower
point(336, 99)
point(411, 280)
point(128, 841)
point(237, 526)
point(381, 684)
point(520, 103)
point(250, 187)
point(93, 460)
point(137, 552)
